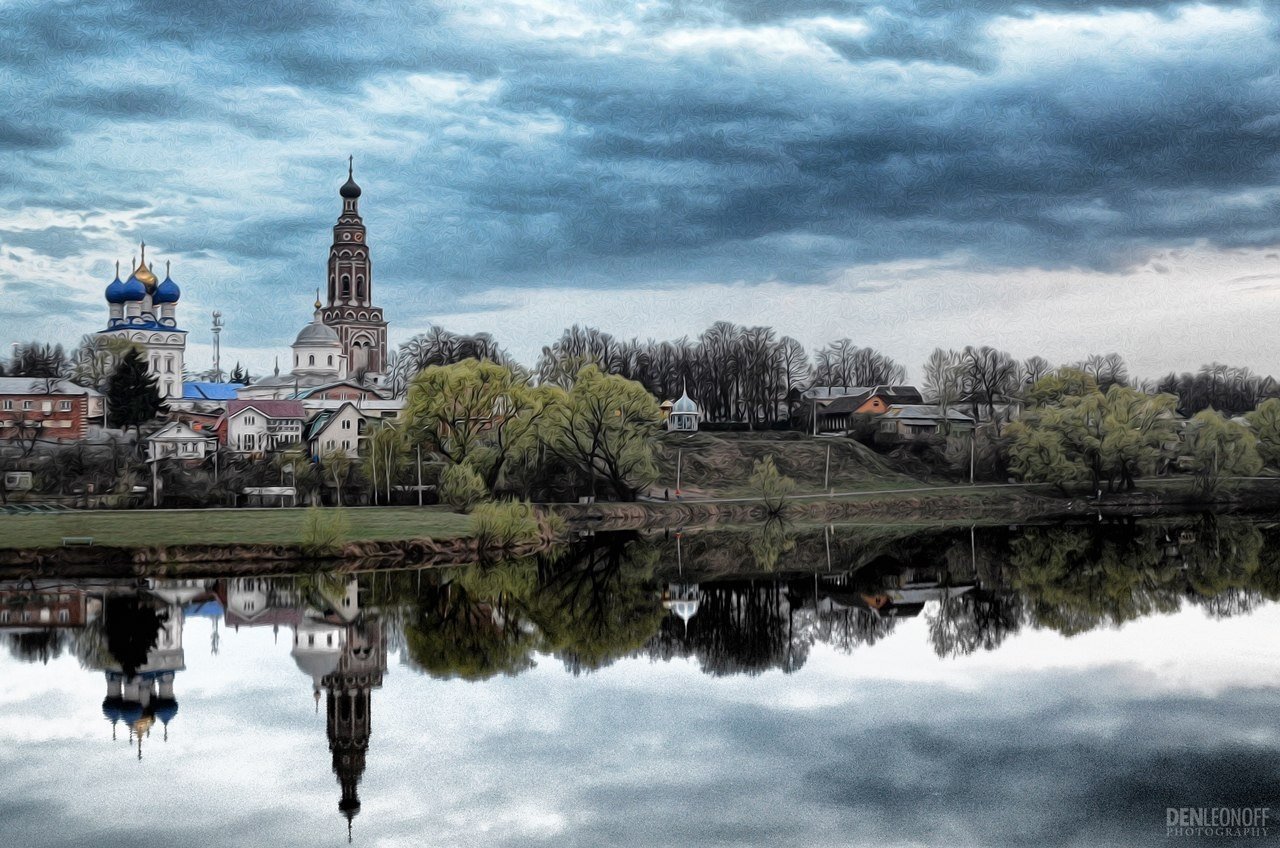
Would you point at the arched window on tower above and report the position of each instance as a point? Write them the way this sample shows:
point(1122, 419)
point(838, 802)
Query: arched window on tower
point(331, 359)
point(360, 290)
point(346, 287)
point(311, 360)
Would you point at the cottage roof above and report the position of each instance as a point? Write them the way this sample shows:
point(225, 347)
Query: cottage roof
point(41, 385)
point(269, 408)
point(926, 413)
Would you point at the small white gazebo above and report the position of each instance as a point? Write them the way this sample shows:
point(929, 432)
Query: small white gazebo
point(684, 415)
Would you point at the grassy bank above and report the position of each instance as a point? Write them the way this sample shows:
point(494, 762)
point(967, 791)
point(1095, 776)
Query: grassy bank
point(720, 464)
point(147, 528)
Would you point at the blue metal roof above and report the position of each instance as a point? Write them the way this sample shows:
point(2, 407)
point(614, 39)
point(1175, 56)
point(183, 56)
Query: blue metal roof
point(197, 390)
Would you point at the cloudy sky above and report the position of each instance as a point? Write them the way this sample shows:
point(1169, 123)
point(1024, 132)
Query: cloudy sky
point(1049, 176)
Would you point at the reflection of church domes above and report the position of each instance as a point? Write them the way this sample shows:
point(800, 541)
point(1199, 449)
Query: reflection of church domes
point(682, 599)
point(317, 649)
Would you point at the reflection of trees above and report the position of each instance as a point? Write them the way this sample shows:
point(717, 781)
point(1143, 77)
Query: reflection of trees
point(1077, 578)
point(740, 628)
point(587, 609)
point(975, 621)
point(38, 645)
point(132, 627)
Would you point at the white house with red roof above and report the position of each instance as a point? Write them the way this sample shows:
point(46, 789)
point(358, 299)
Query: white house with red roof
point(261, 426)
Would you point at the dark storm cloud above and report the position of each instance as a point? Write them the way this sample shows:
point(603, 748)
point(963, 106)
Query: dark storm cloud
point(625, 149)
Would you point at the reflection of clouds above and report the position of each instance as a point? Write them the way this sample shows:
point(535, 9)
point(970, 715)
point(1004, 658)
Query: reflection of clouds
point(1045, 741)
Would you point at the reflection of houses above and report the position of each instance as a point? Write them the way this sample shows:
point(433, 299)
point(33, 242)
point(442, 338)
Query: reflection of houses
point(29, 606)
point(902, 594)
point(259, 602)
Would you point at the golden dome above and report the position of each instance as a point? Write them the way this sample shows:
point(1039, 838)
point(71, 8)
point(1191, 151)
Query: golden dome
point(144, 275)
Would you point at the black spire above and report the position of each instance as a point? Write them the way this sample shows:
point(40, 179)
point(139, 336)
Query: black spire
point(349, 188)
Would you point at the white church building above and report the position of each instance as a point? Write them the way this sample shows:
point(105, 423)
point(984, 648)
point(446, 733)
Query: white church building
point(144, 310)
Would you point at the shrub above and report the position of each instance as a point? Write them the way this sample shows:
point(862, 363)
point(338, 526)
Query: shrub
point(462, 487)
point(772, 486)
point(504, 524)
point(323, 530)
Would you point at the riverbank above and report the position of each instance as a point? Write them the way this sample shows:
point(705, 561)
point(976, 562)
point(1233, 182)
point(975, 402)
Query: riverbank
point(176, 542)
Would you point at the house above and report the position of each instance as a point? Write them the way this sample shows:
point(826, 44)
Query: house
point(372, 409)
point(260, 426)
point(337, 429)
point(45, 409)
point(838, 409)
point(177, 440)
point(911, 422)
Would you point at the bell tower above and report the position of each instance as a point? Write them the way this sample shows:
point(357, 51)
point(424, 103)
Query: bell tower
point(350, 310)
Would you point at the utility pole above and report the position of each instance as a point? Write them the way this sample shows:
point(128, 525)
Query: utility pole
point(679, 457)
point(155, 485)
point(973, 435)
point(826, 475)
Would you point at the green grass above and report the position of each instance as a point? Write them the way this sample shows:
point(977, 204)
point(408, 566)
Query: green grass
point(719, 464)
point(144, 528)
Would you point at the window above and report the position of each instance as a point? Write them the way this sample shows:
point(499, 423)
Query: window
point(311, 640)
point(8, 404)
point(28, 404)
point(65, 405)
point(4, 616)
point(346, 424)
point(311, 360)
point(331, 359)
point(64, 616)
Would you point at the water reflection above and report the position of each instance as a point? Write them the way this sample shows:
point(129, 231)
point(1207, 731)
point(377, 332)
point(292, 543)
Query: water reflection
point(734, 603)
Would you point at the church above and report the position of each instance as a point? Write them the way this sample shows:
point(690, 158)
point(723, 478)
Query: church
point(342, 350)
point(143, 310)
point(345, 345)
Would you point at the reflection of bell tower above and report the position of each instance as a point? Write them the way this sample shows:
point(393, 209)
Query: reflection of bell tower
point(349, 687)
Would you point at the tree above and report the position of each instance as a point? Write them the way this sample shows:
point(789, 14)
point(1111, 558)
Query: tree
point(96, 359)
point(1074, 432)
point(942, 381)
point(477, 412)
point(605, 427)
point(1220, 448)
point(337, 465)
point(773, 487)
point(440, 347)
point(132, 396)
point(240, 375)
point(34, 359)
point(384, 450)
point(461, 487)
point(1265, 422)
point(842, 363)
point(987, 375)
point(1107, 370)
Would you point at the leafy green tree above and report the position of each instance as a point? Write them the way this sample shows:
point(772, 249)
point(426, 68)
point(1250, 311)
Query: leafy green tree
point(384, 453)
point(132, 396)
point(337, 467)
point(475, 411)
point(461, 487)
point(605, 427)
point(772, 485)
point(1220, 448)
point(1074, 433)
point(1265, 421)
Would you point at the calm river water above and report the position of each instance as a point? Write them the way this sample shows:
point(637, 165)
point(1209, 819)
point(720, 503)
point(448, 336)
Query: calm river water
point(832, 686)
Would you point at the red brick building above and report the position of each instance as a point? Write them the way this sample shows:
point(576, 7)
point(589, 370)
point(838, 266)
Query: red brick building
point(34, 409)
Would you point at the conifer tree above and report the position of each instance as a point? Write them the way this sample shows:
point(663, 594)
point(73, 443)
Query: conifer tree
point(132, 396)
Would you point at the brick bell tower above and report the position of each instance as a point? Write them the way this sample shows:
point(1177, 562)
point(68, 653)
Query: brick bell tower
point(350, 311)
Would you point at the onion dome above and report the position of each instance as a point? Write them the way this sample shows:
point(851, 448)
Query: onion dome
point(317, 332)
point(685, 404)
point(349, 188)
point(133, 289)
point(115, 289)
point(168, 291)
point(166, 710)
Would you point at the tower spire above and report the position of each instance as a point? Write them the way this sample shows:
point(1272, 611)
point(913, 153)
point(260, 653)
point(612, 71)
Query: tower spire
point(351, 164)
point(144, 253)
